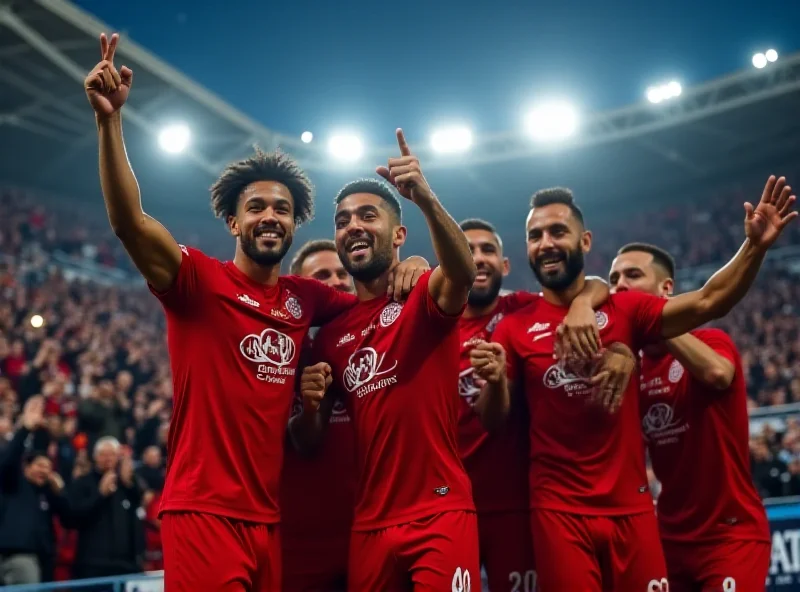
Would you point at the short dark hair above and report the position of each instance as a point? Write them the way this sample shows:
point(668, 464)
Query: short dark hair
point(374, 187)
point(557, 195)
point(32, 455)
point(661, 257)
point(263, 166)
point(308, 249)
point(479, 224)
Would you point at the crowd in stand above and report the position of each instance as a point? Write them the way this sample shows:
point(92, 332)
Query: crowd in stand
point(95, 356)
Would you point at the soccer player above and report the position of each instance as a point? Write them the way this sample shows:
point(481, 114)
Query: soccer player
point(589, 494)
point(319, 260)
point(693, 405)
point(496, 457)
point(396, 365)
point(234, 335)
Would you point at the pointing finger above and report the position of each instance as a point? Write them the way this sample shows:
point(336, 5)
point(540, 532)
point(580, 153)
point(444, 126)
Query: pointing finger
point(401, 141)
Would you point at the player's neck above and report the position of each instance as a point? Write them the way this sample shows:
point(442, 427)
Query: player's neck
point(373, 288)
point(567, 295)
point(472, 312)
point(261, 274)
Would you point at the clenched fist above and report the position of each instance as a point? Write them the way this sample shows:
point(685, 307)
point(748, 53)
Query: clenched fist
point(488, 361)
point(106, 88)
point(313, 383)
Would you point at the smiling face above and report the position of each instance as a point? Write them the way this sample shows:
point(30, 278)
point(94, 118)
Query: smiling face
point(557, 243)
point(326, 267)
point(264, 222)
point(367, 236)
point(636, 270)
point(492, 267)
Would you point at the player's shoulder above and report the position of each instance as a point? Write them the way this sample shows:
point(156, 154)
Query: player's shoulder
point(629, 298)
point(198, 257)
point(713, 335)
point(514, 301)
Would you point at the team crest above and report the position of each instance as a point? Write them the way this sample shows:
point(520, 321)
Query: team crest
point(294, 308)
point(602, 319)
point(675, 371)
point(390, 313)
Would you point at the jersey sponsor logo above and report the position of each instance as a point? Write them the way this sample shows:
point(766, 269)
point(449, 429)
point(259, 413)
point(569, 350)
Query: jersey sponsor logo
point(467, 389)
point(281, 314)
point(601, 318)
point(390, 313)
point(660, 426)
point(293, 306)
point(573, 384)
point(345, 339)
point(495, 320)
point(272, 351)
point(462, 581)
point(537, 327)
point(363, 367)
point(675, 371)
point(247, 300)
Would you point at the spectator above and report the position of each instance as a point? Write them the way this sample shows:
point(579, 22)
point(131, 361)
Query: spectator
point(31, 495)
point(769, 472)
point(104, 506)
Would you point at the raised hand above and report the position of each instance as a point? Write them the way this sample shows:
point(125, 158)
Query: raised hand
point(108, 483)
point(313, 383)
point(405, 174)
point(488, 361)
point(764, 223)
point(106, 88)
point(33, 413)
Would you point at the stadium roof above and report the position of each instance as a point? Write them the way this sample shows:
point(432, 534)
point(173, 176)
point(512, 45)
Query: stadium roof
point(740, 122)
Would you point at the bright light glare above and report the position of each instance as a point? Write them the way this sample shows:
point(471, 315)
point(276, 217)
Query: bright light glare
point(37, 321)
point(174, 139)
point(663, 92)
point(306, 137)
point(450, 140)
point(759, 60)
point(552, 121)
point(346, 148)
point(771, 55)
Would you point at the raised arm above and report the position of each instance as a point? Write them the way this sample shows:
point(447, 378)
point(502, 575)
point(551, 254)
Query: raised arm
point(763, 225)
point(151, 247)
point(451, 281)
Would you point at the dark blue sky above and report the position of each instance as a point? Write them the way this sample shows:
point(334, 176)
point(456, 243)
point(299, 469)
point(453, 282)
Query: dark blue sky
point(372, 66)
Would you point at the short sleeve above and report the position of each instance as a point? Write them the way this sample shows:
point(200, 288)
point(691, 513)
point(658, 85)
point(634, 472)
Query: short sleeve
point(645, 311)
point(502, 336)
point(326, 302)
point(183, 291)
point(720, 342)
point(430, 306)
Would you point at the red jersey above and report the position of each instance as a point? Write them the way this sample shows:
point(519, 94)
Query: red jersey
point(497, 463)
point(396, 366)
point(583, 460)
point(234, 346)
point(330, 470)
point(698, 439)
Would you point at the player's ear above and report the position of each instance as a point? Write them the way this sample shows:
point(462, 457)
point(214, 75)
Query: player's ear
point(506, 266)
point(669, 286)
point(586, 241)
point(233, 226)
point(399, 238)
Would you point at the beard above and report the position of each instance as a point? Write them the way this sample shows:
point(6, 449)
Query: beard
point(371, 267)
point(561, 280)
point(265, 257)
point(484, 296)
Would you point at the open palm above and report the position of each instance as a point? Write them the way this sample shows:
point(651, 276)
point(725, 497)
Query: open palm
point(764, 223)
point(106, 88)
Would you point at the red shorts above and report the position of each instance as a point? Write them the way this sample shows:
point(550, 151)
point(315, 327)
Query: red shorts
point(314, 565)
point(735, 566)
point(436, 553)
point(598, 553)
point(506, 551)
point(209, 552)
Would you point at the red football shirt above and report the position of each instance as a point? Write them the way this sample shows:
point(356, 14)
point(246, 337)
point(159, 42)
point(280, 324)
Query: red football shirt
point(234, 346)
point(497, 463)
point(582, 459)
point(396, 366)
point(330, 470)
point(698, 439)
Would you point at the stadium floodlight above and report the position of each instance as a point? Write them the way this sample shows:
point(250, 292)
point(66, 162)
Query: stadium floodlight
point(771, 55)
point(552, 121)
point(347, 148)
point(306, 137)
point(174, 139)
point(664, 92)
point(452, 140)
point(37, 321)
point(759, 60)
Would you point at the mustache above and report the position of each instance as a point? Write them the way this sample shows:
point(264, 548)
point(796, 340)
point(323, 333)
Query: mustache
point(264, 228)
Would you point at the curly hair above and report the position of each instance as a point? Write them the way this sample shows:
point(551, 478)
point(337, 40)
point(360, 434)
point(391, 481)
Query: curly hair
point(274, 166)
